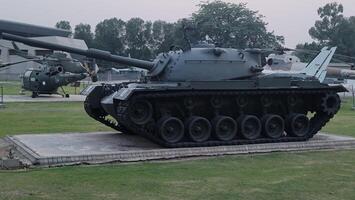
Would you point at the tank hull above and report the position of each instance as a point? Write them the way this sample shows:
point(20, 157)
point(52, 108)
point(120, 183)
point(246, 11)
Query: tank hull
point(192, 114)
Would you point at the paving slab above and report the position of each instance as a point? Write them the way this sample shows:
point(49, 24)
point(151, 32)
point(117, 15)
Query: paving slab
point(104, 147)
point(43, 98)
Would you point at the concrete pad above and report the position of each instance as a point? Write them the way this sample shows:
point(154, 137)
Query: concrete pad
point(76, 148)
point(10, 164)
point(43, 98)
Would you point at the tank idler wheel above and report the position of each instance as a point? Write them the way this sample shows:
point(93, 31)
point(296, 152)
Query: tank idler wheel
point(297, 125)
point(140, 112)
point(250, 127)
point(171, 129)
point(198, 129)
point(225, 128)
point(273, 126)
point(330, 103)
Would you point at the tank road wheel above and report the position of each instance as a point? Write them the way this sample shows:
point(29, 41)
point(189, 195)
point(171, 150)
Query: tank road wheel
point(198, 129)
point(250, 127)
point(330, 103)
point(225, 128)
point(297, 125)
point(140, 112)
point(171, 129)
point(273, 126)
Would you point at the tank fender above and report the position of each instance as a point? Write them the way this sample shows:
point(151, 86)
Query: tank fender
point(94, 95)
point(124, 93)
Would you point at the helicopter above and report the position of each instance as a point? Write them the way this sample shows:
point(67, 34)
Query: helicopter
point(56, 70)
point(284, 60)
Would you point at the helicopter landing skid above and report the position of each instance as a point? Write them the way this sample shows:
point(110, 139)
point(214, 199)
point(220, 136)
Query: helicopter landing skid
point(64, 95)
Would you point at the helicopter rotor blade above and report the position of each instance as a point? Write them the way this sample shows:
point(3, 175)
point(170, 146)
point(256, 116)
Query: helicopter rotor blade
point(316, 52)
point(15, 63)
point(282, 50)
point(19, 52)
point(15, 46)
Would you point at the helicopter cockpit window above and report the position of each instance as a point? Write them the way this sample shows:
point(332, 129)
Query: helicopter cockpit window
point(43, 52)
point(28, 74)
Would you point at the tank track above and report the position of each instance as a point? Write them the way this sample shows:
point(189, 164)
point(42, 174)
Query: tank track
point(99, 114)
point(103, 118)
point(320, 118)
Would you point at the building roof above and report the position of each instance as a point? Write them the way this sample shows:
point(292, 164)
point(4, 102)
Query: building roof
point(29, 30)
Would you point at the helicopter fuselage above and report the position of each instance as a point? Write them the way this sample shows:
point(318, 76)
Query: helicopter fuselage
point(40, 81)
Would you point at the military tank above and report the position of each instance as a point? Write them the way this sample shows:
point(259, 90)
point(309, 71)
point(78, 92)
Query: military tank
point(210, 96)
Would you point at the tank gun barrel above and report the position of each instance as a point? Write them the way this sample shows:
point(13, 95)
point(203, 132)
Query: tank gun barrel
point(333, 72)
point(91, 53)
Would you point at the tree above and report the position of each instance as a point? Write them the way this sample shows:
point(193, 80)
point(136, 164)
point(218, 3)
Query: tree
point(110, 35)
point(305, 51)
point(333, 29)
point(163, 36)
point(326, 29)
point(83, 32)
point(63, 25)
point(233, 25)
point(225, 24)
point(139, 38)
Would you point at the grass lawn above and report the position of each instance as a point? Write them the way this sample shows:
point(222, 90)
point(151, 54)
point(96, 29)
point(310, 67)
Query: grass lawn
point(14, 88)
point(344, 122)
point(21, 118)
point(314, 176)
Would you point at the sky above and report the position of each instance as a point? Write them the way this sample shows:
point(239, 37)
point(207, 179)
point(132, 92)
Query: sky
point(289, 18)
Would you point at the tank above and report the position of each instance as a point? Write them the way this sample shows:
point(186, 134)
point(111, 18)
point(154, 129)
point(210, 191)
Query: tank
point(210, 96)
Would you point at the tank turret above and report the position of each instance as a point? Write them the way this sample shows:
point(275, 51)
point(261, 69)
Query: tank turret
point(197, 64)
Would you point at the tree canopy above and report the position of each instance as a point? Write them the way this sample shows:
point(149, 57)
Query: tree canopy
point(333, 29)
point(217, 22)
point(83, 32)
point(63, 25)
point(110, 35)
point(233, 25)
